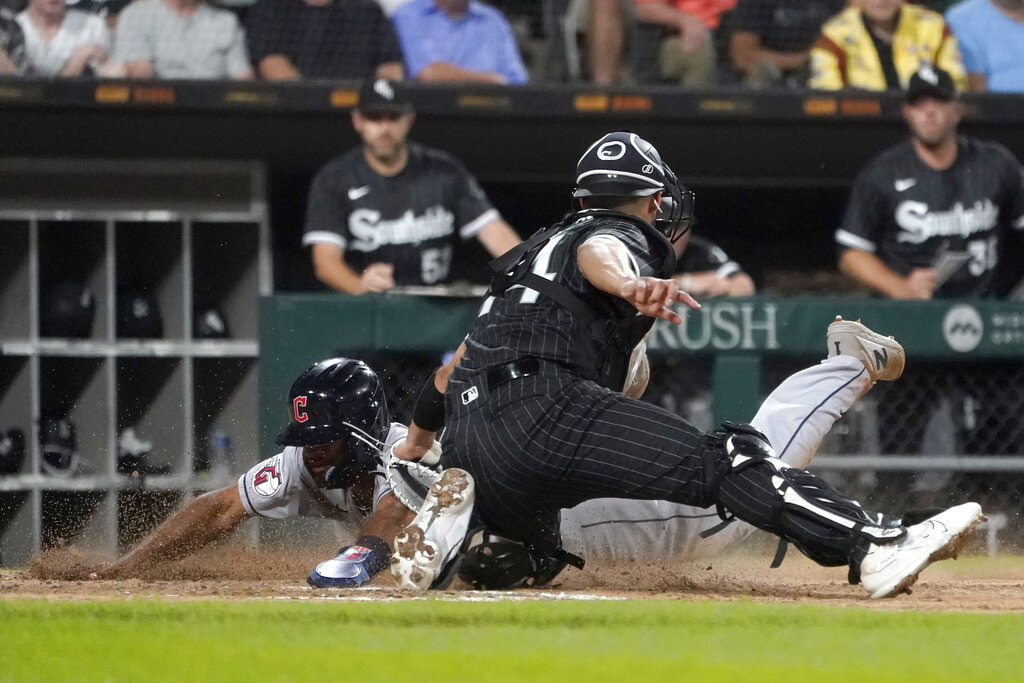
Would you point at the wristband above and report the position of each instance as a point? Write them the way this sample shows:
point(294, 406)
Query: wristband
point(429, 410)
point(685, 281)
point(381, 558)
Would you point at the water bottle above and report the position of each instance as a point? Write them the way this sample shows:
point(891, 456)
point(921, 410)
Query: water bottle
point(219, 454)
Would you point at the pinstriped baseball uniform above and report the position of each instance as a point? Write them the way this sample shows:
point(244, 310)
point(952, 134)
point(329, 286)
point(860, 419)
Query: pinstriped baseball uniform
point(795, 417)
point(555, 438)
point(536, 418)
point(411, 220)
point(908, 214)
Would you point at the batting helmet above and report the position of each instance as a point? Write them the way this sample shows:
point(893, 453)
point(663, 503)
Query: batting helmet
point(339, 399)
point(58, 446)
point(12, 451)
point(208, 323)
point(138, 316)
point(623, 164)
point(67, 311)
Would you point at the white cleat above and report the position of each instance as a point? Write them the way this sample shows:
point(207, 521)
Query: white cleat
point(889, 570)
point(425, 547)
point(883, 357)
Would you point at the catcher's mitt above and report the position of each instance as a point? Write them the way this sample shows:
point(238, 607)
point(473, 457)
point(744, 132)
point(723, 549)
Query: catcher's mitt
point(410, 481)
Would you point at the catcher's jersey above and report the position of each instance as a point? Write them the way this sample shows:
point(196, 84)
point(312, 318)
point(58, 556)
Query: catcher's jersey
point(522, 322)
point(411, 220)
point(909, 214)
point(281, 487)
point(702, 255)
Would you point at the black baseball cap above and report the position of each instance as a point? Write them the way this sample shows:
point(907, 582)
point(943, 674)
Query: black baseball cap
point(382, 94)
point(931, 81)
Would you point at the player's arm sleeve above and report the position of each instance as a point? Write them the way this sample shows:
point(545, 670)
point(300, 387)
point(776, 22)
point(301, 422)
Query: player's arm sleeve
point(473, 209)
point(326, 212)
point(272, 488)
point(618, 242)
point(862, 217)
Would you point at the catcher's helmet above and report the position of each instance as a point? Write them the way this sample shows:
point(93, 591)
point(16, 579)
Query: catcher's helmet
point(338, 399)
point(492, 562)
point(623, 164)
point(67, 311)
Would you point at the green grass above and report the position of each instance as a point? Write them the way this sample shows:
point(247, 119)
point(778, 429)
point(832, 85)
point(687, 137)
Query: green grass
point(146, 640)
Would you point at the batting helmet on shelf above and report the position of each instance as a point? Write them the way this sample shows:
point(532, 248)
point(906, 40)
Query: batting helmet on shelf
point(208, 323)
point(58, 446)
point(339, 399)
point(12, 451)
point(67, 311)
point(138, 316)
point(623, 164)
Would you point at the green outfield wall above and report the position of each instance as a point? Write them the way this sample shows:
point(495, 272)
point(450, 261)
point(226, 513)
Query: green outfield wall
point(298, 329)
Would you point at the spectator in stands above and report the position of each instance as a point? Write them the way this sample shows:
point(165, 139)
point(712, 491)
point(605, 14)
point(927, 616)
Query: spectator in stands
point(336, 39)
point(929, 217)
point(606, 31)
point(704, 270)
point(66, 42)
point(12, 44)
point(687, 52)
point(389, 212)
point(458, 40)
point(772, 39)
point(879, 44)
point(180, 39)
point(991, 38)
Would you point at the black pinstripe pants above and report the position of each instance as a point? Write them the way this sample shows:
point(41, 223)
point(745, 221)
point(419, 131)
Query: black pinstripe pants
point(545, 442)
point(541, 443)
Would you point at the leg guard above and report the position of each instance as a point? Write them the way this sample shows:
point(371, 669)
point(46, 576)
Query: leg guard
point(758, 488)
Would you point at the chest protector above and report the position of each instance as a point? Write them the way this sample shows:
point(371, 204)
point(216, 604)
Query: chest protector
point(614, 335)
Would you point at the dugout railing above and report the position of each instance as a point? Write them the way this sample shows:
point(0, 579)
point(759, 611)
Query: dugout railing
point(950, 429)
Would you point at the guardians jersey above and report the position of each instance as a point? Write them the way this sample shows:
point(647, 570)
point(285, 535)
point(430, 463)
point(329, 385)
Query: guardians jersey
point(411, 220)
point(906, 213)
point(282, 486)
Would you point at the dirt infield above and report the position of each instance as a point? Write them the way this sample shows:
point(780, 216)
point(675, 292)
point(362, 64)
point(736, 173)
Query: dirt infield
point(974, 583)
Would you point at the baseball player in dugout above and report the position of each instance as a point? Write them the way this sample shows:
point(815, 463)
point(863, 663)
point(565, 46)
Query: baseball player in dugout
point(933, 216)
point(389, 212)
point(540, 414)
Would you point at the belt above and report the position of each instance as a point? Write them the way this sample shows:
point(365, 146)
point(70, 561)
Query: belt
point(511, 370)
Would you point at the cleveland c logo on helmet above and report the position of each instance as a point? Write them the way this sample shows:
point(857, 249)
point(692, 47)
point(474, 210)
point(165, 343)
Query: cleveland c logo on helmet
point(300, 415)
